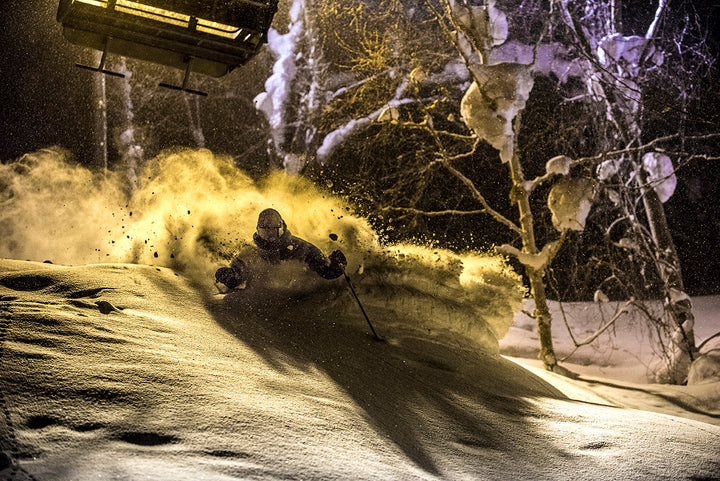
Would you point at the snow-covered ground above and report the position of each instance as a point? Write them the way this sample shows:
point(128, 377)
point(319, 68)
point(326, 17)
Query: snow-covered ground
point(131, 372)
point(137, 369)
point(620, 365)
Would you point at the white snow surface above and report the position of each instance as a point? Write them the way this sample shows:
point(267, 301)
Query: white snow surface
point(128, 370)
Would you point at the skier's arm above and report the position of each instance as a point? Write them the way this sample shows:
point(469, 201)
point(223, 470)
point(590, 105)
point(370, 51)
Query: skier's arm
point(327, 268)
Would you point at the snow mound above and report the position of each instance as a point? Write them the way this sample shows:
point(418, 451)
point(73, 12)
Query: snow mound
point(439, 291)
point(705, 369)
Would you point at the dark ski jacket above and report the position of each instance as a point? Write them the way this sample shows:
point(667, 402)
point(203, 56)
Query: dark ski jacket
point(289, 247)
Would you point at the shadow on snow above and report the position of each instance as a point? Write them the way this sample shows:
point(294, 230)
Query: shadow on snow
point(411, 387)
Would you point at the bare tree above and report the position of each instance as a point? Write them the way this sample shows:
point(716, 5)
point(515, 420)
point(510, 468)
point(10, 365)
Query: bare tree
point(384, 107)
point(492, 108)
point(341, 67)
point(638, 174)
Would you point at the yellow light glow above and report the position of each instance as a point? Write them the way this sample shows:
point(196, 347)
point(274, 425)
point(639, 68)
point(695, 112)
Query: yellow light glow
point(154, 13)
point(219, 29)
point(173, 18)
point(96, 3)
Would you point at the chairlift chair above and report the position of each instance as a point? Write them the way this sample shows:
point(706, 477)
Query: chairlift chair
point(210, 37)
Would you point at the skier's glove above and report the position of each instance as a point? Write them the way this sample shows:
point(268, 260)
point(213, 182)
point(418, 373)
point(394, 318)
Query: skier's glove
point(338, 258)
point(229, 277)
point(233, 276)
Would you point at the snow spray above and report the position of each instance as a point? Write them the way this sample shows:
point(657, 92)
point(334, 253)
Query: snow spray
point(194, 211)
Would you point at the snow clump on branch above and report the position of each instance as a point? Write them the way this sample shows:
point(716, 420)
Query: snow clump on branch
point(277, 87)
point(490, 104)
point(661, 174)
point(503, 72)
point(570, 201)
point(627, 52)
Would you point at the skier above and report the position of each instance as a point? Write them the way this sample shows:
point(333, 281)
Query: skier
point(274, 244)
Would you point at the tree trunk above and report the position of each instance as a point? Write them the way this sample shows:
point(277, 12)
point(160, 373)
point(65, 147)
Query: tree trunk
point(194, 121)
point(543, 317)
point(677, 303)
point(521, 196)
point(131, 153)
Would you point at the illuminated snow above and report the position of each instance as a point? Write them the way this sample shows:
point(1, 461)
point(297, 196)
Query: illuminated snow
point(570, 201)
point(489, 108)
point(134, 371)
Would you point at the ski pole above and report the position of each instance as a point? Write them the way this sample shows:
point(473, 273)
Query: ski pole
point(352, 289)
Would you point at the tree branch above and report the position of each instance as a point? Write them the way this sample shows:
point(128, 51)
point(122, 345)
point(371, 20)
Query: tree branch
point(480, 198)
point(658, 13)
point(360, 83)
point(445, 161)
point(437, 213)
point(702, 344)
point(597, 333)
point(337, 136)
point(650, 145)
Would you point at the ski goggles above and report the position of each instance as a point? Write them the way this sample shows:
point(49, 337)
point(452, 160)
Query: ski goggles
point(270, 232)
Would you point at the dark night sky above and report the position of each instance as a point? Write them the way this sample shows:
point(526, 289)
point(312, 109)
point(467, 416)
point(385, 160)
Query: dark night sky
point(45, 97)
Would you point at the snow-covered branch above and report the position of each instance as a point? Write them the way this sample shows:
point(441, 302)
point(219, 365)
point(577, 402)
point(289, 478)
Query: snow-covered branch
point(360, 83)
point(559, 165)
point(647, 147)
point(338, 136)
point(436, 213)
point(658, 13)
point(536, 261)
point(702, 344)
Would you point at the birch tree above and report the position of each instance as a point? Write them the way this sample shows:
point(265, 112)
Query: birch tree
point(492, 109)
point(612, 66)
point(636, 170)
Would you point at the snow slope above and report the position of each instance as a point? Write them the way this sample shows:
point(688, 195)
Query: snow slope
point(128, 372)
point(119, 361)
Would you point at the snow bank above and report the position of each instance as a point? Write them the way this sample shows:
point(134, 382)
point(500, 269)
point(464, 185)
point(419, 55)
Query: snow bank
point(193, 211)
point(441, 293)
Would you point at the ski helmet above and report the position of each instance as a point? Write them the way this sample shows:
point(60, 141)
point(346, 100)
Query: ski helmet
point(270, 225)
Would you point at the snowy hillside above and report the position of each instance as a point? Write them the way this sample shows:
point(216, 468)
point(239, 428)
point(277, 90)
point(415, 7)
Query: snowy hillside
point(136, 368)
point(128, 372)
